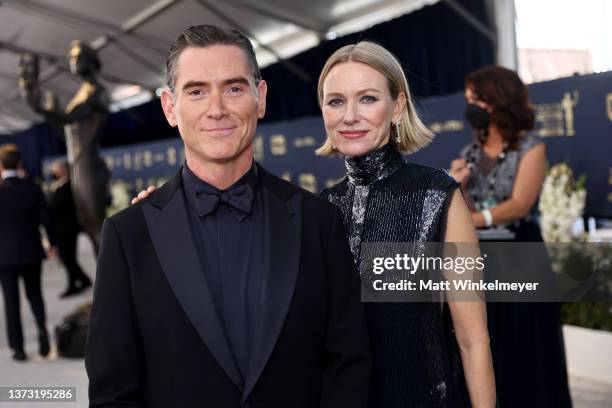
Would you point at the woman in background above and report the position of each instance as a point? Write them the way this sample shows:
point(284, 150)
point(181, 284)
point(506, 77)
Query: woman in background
point(502, 171)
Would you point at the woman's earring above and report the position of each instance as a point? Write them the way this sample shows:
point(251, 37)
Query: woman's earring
point(398, 138)
point(334, 147)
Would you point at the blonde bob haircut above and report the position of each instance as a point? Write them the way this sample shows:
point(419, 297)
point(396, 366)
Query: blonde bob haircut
point(413, 134)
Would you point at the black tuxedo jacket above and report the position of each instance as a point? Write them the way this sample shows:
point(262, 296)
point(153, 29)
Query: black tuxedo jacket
point(155, 339)
point(63, 210)
point(22, 210)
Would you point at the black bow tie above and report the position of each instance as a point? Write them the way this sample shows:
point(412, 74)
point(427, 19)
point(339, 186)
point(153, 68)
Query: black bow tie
point(239, 199)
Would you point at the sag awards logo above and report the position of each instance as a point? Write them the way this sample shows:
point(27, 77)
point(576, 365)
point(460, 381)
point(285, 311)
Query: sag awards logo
point(110, 161)
point(258, 148)
point(452, 125)
point(329, 183)
point(278, 145)
point(136, 161)
point(609, 105)
point(171, 156)
point(286, 176)
point(557, 119)
point(306, 141)
point(127, 161)
point(308, 181)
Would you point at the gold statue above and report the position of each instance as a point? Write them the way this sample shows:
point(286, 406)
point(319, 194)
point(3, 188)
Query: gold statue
point(82, 124)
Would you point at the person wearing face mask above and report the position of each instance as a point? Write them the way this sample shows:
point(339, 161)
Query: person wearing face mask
point(502, 172)
point(504, 167)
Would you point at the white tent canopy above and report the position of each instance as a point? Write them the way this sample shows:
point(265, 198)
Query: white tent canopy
point(133, 36)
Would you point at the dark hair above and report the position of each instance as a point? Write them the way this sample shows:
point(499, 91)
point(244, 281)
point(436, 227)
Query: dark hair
point(504, 91)
point(10, 156)
point(205, 36)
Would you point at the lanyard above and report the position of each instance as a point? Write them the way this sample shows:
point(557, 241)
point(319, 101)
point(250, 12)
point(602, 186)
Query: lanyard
point(475, 153)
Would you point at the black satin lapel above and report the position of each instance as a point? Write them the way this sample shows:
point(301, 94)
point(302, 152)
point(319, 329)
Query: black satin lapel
point(176, 250)
point(282, 243)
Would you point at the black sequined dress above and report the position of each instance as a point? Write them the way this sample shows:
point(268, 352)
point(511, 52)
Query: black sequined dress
point(416, 361)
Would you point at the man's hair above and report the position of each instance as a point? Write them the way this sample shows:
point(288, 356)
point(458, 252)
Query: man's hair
point(206, 36)
point(10, 156)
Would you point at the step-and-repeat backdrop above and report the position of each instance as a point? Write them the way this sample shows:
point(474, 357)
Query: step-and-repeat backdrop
point(573, 117)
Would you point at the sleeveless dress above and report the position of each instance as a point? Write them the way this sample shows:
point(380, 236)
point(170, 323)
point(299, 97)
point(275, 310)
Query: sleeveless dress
point(526, 338)
point(416, 361)
point(477, 187)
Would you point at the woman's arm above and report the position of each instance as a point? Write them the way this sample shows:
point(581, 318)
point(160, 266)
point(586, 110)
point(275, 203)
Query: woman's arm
point(529, 178)
point(470, 317)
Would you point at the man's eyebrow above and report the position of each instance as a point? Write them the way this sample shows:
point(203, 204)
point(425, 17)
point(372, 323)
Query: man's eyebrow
point(234, 80)
point(191, 84)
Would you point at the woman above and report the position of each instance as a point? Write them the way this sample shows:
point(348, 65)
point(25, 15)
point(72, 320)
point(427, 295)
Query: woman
point(504, 168)
point(503, 171)
point(369, 118)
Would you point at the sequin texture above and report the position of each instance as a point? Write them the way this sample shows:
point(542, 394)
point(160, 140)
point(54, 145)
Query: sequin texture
point(416, 361)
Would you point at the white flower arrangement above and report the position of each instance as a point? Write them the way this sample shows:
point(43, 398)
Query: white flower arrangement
point(561, 203)
point(121, 198)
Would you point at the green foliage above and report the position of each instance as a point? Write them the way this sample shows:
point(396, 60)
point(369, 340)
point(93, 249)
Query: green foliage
point(592, 315)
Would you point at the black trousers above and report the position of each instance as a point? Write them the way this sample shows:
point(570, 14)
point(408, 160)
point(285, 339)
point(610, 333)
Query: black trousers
point(66, 245)
point(9, 278)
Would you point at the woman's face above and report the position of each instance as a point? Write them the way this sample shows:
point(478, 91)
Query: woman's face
point(358, 108)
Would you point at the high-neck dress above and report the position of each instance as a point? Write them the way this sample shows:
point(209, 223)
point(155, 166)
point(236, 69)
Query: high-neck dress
point(416, 362)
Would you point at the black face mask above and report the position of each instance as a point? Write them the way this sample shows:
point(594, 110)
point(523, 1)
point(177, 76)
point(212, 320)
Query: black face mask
point(477, 116)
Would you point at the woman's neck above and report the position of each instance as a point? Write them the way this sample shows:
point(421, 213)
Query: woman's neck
point(495, 141)
point(373, 166)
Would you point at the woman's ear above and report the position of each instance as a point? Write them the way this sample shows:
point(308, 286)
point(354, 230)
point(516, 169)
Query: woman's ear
point(399, 106)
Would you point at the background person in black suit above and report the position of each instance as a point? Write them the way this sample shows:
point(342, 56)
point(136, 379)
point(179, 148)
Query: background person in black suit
point(228, 286)
point(22, 210)
point(63, 213)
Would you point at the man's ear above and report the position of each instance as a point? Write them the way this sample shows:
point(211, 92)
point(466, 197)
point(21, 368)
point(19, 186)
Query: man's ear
point(167, 102)
point(262, 89)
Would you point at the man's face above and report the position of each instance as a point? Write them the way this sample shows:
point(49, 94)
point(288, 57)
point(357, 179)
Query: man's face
point(214, 104)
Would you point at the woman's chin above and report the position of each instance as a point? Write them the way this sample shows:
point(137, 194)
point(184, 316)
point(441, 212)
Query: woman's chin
point(355, 148)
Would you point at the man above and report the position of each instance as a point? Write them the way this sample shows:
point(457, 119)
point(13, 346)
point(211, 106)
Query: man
point(63, 212)
point(22, 210)
point(227, 287)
